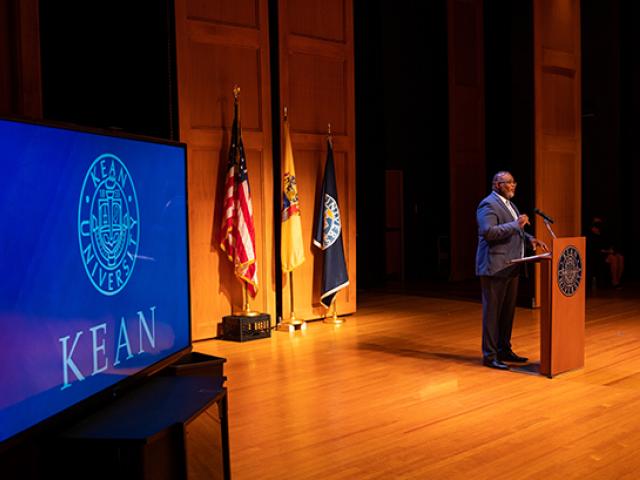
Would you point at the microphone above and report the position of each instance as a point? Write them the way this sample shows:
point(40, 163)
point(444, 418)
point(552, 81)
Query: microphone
point(543, 215)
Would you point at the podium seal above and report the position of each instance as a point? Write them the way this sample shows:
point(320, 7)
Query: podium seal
point(569, 271)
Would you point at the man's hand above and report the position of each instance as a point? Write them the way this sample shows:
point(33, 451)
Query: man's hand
point(523, 220)
point(535, 243)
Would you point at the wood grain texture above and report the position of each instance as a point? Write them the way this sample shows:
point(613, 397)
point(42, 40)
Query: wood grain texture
point(20, 70)
point(558, 154)
point(394, 224)
point(467, 166)
point(562, 316)
point(398, 391)
point(317, 87)
point(568, 326)
point(324, 20)
point(243, 13)
point(558, 128)
point(221, 44)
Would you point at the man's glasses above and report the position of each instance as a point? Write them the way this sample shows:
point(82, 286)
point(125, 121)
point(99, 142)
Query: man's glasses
point(510, 182)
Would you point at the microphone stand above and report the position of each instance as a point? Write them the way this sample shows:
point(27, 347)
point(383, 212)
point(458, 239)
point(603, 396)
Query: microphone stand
point(547, 224)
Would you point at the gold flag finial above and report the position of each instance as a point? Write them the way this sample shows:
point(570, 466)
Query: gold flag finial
point(285, 114)
point(236, 92)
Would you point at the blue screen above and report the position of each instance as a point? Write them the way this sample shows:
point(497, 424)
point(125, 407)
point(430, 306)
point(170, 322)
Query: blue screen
point(94, 260)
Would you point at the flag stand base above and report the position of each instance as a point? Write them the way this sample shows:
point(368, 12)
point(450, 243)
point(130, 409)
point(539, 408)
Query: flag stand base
point(291, 327)
point(334, 318)
point(292, 324)
point(242, 328)
point(247, 313)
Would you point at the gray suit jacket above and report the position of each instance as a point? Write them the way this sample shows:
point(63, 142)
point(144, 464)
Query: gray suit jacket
point(500, 239)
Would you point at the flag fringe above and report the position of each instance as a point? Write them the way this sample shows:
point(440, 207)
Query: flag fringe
point(331, 292)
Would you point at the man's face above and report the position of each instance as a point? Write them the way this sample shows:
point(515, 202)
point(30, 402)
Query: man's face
point(506, 186)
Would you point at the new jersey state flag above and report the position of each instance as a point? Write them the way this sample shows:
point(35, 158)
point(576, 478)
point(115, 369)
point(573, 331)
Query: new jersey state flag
point(328, 235)
point(292, 246)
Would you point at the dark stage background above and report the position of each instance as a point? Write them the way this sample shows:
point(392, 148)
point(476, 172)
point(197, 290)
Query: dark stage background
point(401, 82)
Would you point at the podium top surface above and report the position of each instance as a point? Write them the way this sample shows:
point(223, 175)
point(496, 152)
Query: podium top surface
point(532, 258)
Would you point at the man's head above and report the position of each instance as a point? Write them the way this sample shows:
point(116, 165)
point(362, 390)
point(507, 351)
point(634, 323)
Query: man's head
point(504, 184)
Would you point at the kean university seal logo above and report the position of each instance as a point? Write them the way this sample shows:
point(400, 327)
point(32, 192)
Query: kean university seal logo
point(569, 271)
point(108, 224)
point(332, 224)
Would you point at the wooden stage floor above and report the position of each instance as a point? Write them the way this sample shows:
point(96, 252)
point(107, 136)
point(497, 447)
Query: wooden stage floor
point(398, 392)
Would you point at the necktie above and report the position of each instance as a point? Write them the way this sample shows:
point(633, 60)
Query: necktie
point(515, 217)
point(512, 210)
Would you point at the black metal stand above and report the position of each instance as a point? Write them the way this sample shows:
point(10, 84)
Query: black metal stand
point(161, 430)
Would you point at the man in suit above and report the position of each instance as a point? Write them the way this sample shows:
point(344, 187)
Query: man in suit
point(501, 238)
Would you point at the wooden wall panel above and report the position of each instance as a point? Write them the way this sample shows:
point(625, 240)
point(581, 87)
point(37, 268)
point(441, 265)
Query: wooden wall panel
point(394, 224)
point(317, 87)
point(558, 173)
point(242, 13)
point(322, 20)
point(20, 73)
point(466, 130)
point(220, 44)
point(223, 65)
point(553, 169)
point(6, 59)
point(317, 79)
point(558, 108)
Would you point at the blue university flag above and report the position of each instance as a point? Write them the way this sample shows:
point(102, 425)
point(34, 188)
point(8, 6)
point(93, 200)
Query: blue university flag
point(328, 235)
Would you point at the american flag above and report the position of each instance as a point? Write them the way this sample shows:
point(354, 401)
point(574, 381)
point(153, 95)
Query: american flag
point(237, 235)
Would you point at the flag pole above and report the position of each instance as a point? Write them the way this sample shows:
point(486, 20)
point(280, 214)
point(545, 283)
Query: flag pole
point(246, 309)
point(292, 317)
point(333, 318)
point(292, 323)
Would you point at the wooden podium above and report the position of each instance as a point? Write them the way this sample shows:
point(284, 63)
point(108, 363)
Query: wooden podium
point(562, 300)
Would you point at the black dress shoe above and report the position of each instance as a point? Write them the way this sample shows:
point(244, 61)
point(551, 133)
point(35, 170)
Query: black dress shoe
point(510, 356)
point(495, 363)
